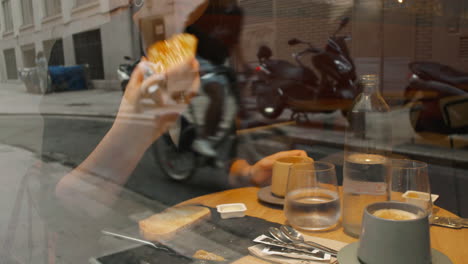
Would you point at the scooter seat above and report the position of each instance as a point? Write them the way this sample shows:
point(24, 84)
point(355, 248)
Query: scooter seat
point(453, 76)
point(285, 70)
point(440, 72)
point(460, 81)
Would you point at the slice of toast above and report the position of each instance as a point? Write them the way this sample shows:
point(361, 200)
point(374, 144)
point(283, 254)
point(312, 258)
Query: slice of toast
point(163, 225)
point(206, 255)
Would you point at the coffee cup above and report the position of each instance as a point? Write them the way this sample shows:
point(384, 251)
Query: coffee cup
point(394, 233)
point(281, 168)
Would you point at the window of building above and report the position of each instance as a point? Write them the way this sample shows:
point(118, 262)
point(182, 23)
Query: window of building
point(83, 2)
point(6, 4)
point(464, 48)
point(464, 15)
point(88, 50)
point(258, 11)
point(10, 63)
point(29, 56)
point(27, 12)
point(53, 50)
point(453, 13)
point(53, 7)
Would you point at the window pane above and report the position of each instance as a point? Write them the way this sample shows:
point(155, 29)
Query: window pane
point(10, 62)
point(53, 7)
point(27, 12)
point(8, 16)
point(83, 2)
point(88, 50)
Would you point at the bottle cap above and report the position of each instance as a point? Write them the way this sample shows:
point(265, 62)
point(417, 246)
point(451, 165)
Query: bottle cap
point(369, 80)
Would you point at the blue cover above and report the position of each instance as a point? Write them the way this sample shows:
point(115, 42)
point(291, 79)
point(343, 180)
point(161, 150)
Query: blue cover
point(68, 78)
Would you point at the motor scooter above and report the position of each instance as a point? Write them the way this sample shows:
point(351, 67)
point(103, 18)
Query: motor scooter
point(438, 98)
point(176, 153)
point(125, 71)
point(332, 86)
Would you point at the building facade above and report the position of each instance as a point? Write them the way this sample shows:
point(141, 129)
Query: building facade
point(101, 32)
point(68, 32)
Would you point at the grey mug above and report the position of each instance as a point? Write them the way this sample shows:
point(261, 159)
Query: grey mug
point(385, 241)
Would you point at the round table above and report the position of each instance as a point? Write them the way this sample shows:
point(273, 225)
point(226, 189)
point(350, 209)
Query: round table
point(451, 242)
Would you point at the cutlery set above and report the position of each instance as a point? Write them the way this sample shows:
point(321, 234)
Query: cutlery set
point(451, 222)
point(290, 235)
point(288, 242)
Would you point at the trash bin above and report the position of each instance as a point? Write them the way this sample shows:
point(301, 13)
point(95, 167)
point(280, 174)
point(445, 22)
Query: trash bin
point(69, 78)
point(30, 79)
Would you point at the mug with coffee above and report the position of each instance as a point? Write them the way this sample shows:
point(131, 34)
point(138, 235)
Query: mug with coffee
point(394, 232)
point(281, 169)
point(394, 214)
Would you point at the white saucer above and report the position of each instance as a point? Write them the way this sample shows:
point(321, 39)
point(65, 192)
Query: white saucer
point(265, 195)
point(348, 255)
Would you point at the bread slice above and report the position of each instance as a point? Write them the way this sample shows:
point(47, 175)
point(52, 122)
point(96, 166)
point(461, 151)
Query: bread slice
point(205, 255)
point(163, 225)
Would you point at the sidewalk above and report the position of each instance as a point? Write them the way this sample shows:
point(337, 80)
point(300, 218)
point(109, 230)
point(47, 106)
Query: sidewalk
point(15, 100)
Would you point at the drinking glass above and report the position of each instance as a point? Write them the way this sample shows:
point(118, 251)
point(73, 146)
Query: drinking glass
point(312, 200)
point(410, 183)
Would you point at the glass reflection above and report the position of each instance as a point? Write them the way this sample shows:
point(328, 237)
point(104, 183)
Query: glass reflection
point(102, 153)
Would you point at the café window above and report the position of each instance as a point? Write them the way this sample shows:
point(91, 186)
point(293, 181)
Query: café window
point(8, 19)
point(27, 12)
point(53, 7)
point(10, 62)
point(88, 50)
point(82, 152)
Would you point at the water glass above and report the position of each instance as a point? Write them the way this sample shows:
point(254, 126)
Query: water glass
point(410, 183)
point(312, 200)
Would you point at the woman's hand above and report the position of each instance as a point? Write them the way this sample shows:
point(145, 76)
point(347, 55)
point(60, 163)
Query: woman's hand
point(151, 110)
point(260, 173)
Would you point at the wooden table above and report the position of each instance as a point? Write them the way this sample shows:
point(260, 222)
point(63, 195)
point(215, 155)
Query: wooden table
point(451, 242)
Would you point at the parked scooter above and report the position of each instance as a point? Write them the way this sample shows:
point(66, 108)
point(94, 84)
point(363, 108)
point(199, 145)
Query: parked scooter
point(297, 87)
point(125, 71)
point(438, 95)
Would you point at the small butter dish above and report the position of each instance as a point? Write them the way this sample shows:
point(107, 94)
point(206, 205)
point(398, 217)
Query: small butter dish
point(231, 210)
point(417, 197)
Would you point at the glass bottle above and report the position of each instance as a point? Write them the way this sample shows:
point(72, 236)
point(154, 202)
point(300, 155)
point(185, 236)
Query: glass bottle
point(366, 169)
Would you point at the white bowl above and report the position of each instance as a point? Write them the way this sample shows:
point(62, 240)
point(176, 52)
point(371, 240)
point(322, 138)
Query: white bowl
point(231, 210)
point(419, 198)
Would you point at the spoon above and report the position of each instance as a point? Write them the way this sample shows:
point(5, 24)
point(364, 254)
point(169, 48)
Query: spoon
point(296, 237)
point(276, 233)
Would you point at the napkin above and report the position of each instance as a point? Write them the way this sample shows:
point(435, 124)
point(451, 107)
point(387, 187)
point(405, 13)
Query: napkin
point(257, 251)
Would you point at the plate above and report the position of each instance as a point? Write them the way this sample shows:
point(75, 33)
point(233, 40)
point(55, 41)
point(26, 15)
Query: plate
point(348, 255)
point(265, 195)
